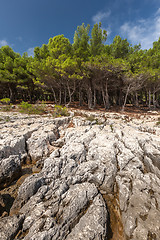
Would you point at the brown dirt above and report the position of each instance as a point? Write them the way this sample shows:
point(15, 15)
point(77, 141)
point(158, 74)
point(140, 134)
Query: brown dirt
point(115, 231)
point(10, 193)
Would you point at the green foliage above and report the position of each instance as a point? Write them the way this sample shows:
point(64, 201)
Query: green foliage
point(27, 108)
point(81, 42)
point(89, 71)
point(25, 105)
point(97, 39)
point(5, 100)
point(60, 111)
point(120, 48)
point(58, 46)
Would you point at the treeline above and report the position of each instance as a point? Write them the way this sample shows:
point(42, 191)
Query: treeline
point(88, 71)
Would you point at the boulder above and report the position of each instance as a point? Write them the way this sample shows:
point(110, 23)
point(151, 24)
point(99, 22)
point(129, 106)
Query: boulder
point(38, 145)
point(10, 170)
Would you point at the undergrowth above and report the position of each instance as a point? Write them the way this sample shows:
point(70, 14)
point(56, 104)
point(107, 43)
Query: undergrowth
point(60, 111)
point(5, 100)
point(25, 107)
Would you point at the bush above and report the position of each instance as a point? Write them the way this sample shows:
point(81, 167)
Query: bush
point(60, 111)
point(25, 107)
point(5, 100)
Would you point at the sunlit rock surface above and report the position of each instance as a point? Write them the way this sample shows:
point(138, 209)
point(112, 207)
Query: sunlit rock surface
point(98, 179)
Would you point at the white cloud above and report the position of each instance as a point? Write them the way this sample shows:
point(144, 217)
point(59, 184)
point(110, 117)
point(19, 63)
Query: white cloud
point(101, 16)
point(30, 52)
point(3, 43)
point(144, 31)
point(158, 11)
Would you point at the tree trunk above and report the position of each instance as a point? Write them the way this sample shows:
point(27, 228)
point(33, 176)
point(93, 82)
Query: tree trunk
point(149, 99)
point(54, 94)
point(125, 99)
point(10, 93)
point(94, 99)
point(136, 99)
point(157, 100)
point(70, 95)
point(90, 95)
point(80, 97)
point(90, 98)
point(65, 96)
point(60, 96)
point(105, 96)
point(154, 100)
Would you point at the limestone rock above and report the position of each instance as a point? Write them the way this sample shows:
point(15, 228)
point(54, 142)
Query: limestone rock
point(96, 181)
point(39, 142)
point(9, 227)
point(10, 169)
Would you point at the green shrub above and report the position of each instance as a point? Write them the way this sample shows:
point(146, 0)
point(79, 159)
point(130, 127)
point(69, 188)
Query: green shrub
point(5, 100)
point(60, 111)
point(28, 108)
point(25, 105)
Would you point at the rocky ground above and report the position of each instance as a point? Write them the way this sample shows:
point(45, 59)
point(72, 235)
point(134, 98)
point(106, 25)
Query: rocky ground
point(89, 176)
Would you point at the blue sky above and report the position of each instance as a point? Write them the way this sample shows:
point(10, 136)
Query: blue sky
point(25, 24)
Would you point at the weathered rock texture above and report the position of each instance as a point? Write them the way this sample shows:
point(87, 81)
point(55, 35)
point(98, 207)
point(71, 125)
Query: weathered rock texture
point(99, 179)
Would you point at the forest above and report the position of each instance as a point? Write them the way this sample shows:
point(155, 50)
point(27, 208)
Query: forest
point(89, 71)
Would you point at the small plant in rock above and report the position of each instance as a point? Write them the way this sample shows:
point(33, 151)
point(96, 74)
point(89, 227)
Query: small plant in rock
point(7, 119)
point(111, 126)
point(60, 111)
point(91, 118)
point(158, 123)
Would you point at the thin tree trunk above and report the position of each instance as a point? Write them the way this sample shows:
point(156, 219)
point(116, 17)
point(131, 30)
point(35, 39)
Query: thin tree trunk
point(136, 102)
point(54, 94)
point(70, 95)
point(10, 93)
point(154, 101)
point(80, 97)
point(94, 99)
point(125, 100)
point(90, 95)
point(149, 99)
point(157, 100)
point(29, 94)
point(90, 98)
point(65, 96)
point(107, 97)
point(103, 96)
point(60, 96)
